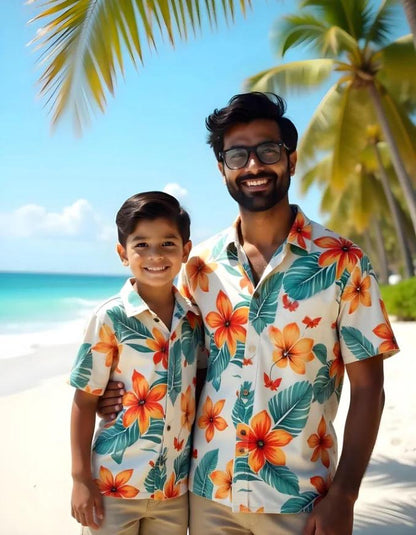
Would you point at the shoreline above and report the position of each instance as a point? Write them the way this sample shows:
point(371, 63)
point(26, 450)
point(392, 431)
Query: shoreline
point(35, 402)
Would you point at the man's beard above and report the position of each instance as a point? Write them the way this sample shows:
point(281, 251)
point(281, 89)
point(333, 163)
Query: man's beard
point(260, 201)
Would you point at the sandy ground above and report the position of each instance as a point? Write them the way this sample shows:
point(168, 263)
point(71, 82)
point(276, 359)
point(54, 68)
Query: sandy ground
point(35, 456)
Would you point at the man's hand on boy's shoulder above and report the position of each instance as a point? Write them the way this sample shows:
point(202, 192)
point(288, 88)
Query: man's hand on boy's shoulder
point(110, 403)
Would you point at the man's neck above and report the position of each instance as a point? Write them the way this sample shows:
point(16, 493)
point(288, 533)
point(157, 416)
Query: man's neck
point(266, 230)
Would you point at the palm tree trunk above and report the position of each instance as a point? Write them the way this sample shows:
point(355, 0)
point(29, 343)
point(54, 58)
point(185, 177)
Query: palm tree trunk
point(396, 159)
point(409, 7)
point(394, 209)
point(382, 255)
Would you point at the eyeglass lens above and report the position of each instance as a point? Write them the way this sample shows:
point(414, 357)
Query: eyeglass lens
point(267, 153)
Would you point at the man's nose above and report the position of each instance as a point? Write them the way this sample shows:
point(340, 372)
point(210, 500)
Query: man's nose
point(253, 160)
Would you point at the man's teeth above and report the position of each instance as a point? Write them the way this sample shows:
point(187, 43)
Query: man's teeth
point(257, 182)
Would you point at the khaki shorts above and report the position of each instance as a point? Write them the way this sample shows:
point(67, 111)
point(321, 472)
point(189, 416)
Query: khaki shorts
point(211, 518)
point(143, 517)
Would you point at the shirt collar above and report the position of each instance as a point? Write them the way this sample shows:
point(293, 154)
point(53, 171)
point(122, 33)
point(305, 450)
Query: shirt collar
point(134, 304)
point(300, 233)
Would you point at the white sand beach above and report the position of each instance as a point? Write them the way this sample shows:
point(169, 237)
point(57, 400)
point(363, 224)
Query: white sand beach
point(35, 405)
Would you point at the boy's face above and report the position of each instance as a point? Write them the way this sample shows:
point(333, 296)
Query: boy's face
point(154, 252)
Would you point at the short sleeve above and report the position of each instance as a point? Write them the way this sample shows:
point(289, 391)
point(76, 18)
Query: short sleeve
point(363, 324)
point(97, 356)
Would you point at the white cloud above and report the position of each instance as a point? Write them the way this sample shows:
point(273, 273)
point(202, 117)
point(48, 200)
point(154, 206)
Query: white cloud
point(79, 220)
point(176, 190)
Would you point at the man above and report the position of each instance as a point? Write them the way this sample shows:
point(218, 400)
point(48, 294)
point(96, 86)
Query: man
point(286, 305)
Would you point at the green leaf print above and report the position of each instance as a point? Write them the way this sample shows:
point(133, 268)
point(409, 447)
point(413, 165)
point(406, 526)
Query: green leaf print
point(290, 407)
point(301, 504)
point(320, 352)
point(324, 385)
point(203, 486)
point(127, 328)
point(263, 309)
point(306, 277)
point(156, 478)
point(218, 361)
point(218, 248)
point(175, 371)
point(155, 430)
point(280, 478)
point(242, 470)
point(181, 463)
point(141, 348)
point(116, 439)
point(357, 343)
point(298, 251)
point(81, 372)
point(243, 407)
point(191, 340)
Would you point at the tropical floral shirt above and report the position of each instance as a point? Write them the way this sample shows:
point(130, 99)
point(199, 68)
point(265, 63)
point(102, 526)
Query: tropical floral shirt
point(264, 439)
point(145, 451)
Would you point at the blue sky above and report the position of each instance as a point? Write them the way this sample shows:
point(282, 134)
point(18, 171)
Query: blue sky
point(59, 194)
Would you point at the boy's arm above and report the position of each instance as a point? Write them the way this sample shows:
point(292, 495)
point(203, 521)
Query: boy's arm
point(110, 403)
point(335, 511)
point(86, 501)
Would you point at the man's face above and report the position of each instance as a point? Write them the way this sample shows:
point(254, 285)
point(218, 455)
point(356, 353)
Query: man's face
point(257, 186)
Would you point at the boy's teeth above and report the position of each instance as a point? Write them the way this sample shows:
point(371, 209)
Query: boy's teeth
point(155, 268)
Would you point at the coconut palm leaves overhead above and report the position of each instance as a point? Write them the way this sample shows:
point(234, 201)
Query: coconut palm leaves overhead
point(84, 43)
point(375, 81)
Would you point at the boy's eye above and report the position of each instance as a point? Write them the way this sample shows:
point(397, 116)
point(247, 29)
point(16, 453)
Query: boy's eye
point(141, 244)
point(168, 244)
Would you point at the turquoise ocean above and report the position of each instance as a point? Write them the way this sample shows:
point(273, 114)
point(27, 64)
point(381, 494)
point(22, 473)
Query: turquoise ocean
point(37, 302)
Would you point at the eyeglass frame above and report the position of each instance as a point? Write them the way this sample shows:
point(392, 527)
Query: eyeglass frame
point(252, 149)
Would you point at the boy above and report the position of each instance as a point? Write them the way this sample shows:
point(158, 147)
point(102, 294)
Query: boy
point(135, 479)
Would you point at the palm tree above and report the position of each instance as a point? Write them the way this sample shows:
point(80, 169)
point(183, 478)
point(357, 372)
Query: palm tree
point(409, 7)
point(380, 76)
point(84, 42)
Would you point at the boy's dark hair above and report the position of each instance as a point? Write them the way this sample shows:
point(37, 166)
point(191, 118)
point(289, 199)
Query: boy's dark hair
point(245, 108)
point(151, 205)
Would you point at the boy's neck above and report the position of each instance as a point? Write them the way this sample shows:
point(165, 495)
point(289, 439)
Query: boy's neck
point(160, 300)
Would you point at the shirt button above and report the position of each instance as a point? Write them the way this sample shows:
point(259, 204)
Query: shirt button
point(255, 295)
point(156, 320)
point(168, 427)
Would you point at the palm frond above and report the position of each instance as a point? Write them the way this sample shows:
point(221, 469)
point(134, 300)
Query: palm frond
point(379, 31)
point(82, 43)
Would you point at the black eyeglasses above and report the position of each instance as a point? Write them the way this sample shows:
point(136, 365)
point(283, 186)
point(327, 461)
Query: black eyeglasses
point(268, 152)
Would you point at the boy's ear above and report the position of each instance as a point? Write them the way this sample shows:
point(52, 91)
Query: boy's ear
point(121, 251)
point(186, 250)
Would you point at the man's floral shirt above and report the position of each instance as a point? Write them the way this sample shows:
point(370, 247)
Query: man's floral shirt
point(145, 451)
point(264, 439)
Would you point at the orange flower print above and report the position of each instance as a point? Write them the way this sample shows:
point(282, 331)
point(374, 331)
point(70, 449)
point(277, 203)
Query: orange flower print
point(109, 346)
point(223, 480)
point(160, 346)
point(178, 444)
point(300, 231)
point(260, 443)
point(143, 403)
point(337, 366)
point(228, 323)
point(198, 271)
point(289, 348)
point(245, 509)
point(170, 490)
point(116, 487)
point(357, 291)
point(188, 408)
point(384, 331)
point(321, 442)
point(245, 282)
point(340, 251)
point(211, 419)
point(322, 486)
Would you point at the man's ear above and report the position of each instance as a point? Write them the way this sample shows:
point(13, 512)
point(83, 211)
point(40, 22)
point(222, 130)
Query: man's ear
point(186, 250)
point(293, 158)
point(121, 251)
point(221, 168)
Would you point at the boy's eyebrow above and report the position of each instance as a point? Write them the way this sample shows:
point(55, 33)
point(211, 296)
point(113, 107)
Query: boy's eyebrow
point(167, 236)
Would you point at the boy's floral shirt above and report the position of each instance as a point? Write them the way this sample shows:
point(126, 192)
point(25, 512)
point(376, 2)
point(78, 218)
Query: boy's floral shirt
point(264, 439)
point(145, 451)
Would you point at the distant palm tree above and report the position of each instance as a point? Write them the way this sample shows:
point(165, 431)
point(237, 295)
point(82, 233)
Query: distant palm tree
point(410, 10)
point(376, 77)
point(84, 43)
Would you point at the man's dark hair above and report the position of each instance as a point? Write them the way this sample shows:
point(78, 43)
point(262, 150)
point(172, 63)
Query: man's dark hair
point(151, 205)
point(245, 108)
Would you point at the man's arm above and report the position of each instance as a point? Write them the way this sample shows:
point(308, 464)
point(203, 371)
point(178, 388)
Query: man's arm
point(86, 501)
point(334, 514)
